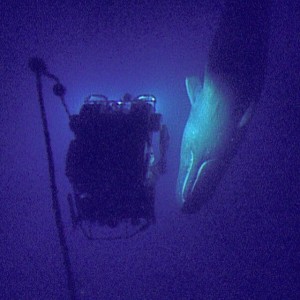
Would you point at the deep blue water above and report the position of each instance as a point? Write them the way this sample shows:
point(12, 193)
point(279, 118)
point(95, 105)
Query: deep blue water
point(242, 245)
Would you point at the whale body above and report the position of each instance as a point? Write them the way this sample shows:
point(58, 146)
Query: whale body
point(223, 103)
point(210, 137)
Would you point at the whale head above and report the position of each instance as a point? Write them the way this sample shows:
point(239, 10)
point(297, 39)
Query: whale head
point(205, 140)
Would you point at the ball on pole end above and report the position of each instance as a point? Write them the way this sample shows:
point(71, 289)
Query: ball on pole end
point(37, 65)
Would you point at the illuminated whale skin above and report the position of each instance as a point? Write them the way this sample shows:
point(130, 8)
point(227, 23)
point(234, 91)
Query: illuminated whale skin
point(210, 138)
point(223, 103)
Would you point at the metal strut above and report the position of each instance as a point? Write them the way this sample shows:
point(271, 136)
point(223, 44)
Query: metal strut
point(39, 68)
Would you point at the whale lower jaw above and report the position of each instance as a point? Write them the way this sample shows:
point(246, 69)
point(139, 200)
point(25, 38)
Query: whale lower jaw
point(208, 178)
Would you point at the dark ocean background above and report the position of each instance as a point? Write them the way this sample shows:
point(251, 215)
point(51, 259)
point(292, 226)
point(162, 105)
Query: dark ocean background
point(243, 244)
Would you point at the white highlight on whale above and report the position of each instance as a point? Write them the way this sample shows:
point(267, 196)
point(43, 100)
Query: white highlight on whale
point(207, 136)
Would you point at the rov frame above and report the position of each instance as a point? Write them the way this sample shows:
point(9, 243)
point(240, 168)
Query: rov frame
point(111, 167)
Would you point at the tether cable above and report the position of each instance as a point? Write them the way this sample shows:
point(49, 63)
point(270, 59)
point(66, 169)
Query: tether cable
point(39, 68)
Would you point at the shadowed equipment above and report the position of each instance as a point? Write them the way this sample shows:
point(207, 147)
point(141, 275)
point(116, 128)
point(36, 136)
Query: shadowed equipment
point(111, 163)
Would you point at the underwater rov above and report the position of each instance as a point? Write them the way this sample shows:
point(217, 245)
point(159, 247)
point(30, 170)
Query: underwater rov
point(110, 163)
point(111, 167)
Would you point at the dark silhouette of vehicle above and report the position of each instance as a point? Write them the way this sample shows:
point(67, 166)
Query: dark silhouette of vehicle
point(110, 163)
